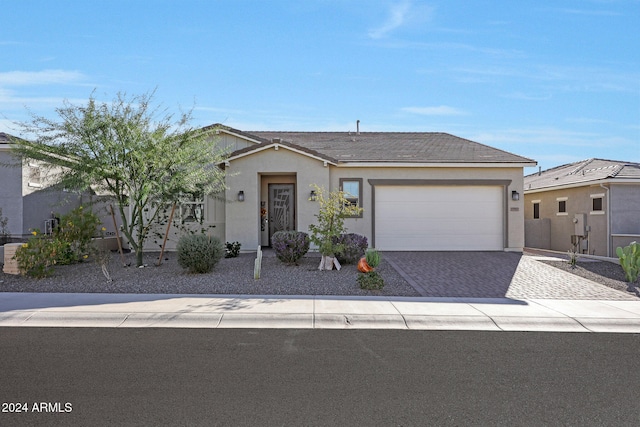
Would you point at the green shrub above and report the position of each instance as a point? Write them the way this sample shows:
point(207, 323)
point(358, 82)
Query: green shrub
point(199, 253)
point(290, 246)
point(37, 257)
point(373, 257)
point(371, 281)
point(354, 247)
point(232, 250)
point(73, 235)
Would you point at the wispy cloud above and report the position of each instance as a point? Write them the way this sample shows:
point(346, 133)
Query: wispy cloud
point(441, 110)
point(401, 14)
point(397, 16)
point(29, 78)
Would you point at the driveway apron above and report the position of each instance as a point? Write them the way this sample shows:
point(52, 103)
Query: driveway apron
point(494, 275)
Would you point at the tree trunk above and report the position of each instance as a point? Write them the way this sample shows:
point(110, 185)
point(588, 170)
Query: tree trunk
point(328, 262)
point(139, 261)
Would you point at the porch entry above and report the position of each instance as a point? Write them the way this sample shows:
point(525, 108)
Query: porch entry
point(281, 214)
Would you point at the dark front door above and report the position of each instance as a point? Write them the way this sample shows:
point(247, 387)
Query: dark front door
point(281, 208)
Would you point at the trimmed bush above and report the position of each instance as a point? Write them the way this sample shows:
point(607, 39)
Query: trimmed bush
point(37, 257)
point(232, 249)
point(371, 281)
point(290, 246)
point(199, 253)
point(354, 247)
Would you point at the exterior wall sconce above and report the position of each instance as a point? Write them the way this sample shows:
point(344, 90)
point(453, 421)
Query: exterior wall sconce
point(312, 196)
point(515, 196)
point(241, 196)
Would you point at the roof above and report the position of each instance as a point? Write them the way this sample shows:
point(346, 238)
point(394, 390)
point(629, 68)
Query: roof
point(385, 147)
point(585, 172)
point(5, 138)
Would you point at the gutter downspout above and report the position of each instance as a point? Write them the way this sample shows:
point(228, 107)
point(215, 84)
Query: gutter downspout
point(608, 220)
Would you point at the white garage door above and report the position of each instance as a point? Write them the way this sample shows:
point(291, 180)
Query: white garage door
point(449, 218)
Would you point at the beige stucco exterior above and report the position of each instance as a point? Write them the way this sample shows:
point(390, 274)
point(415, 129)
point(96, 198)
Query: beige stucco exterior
point(252, 173)
point(617, 224)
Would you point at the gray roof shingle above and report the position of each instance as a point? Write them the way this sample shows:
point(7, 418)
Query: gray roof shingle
point(391, 147)
point(584, 171)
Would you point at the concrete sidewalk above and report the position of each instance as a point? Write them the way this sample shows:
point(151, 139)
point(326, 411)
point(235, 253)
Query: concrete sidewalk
point(321, 312)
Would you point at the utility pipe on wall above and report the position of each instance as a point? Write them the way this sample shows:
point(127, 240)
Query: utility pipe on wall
point(608, 220)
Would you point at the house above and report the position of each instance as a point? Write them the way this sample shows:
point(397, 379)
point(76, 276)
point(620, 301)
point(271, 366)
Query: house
point(593, 203)
point(419, 190)
point(26, 199)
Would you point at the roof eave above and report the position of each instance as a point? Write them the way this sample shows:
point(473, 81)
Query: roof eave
point(387, 164)
point(277, 146)
point(594, 183)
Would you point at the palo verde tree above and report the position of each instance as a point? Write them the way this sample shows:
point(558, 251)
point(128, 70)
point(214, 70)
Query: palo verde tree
point(129, 149)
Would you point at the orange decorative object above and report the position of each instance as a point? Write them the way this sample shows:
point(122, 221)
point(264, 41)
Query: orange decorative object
point(363, 266)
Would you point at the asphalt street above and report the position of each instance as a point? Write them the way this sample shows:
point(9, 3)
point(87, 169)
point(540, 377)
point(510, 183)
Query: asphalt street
point(102, 376)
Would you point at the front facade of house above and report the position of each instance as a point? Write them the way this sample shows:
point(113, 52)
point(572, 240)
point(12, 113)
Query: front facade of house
point(418, 191)
point(594, 204)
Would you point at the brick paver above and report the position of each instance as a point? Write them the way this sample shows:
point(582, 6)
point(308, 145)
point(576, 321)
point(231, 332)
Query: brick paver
point(494, 275)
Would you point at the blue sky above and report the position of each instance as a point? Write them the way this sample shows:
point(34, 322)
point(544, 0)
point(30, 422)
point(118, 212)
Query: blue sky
point(557, 81)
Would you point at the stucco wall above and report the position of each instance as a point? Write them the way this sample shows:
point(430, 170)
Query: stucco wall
point(625, 214)
point(579, 200)
point(246, 174)
point(537, 233)
point(11, 193)
point(252, 173)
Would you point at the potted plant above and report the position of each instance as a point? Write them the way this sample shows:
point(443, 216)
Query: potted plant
point(334, 208)
point(369, 261)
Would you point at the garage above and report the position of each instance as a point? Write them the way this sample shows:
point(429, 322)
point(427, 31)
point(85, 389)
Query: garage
point(439, 217)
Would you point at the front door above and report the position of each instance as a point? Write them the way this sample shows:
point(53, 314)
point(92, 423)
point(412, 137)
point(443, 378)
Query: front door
point(281, 208)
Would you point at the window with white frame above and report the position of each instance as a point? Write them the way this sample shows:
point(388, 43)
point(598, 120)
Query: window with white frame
point(562, 206)
point(35, 176)
point(597, 204)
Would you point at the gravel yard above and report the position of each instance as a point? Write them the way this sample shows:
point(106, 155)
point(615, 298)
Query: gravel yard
point(603, 272)
point(235, 276)
point(230, 276)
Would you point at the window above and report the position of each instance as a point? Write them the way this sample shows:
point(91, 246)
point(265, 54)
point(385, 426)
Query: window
point(352, 187)
point(536, 210)
point(597, 204)
point(34, 176)
point(562, 206)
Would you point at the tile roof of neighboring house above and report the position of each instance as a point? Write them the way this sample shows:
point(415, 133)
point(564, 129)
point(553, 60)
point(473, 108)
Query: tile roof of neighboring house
point(387, 147)
point(5, 138)
point(585, 171)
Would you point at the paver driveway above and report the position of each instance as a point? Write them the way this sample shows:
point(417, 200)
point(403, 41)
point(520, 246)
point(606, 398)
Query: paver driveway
point(494, 275)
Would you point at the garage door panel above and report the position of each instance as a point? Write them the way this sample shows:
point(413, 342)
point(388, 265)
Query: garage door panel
point(439, 218)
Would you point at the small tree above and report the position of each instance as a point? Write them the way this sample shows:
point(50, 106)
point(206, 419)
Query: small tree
point(334, 208)
point(127, 149)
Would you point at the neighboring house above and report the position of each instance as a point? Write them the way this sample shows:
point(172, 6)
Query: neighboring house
point(25, 200)
point(594, 203)
point(419, 191)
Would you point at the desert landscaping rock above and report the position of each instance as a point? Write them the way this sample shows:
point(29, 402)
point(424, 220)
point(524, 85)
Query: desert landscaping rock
point(406, 274)
point(230, 276)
